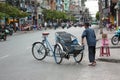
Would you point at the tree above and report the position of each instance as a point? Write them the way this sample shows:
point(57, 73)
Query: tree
point(12, 11)
point(53, 14)
point(22, 14)
point(2, 15)
point(97, 16)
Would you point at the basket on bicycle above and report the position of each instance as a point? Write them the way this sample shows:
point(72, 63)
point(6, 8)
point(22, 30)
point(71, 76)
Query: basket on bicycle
point(69, 42)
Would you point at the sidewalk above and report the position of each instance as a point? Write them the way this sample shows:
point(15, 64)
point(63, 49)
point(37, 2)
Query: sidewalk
point(114, 49)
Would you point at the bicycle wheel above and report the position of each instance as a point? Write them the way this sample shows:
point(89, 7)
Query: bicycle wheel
point(79, 57)
point(39, 51)
point(57, 54)
point(115, 40)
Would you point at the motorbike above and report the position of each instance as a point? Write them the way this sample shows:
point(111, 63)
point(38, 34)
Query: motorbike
point(116, 38)
point(3, 35)
point(9, 30)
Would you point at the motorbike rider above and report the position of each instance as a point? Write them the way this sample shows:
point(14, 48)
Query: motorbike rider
point(2, 30)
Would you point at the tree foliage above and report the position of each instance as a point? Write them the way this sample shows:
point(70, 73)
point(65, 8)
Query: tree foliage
point(54, 15)
point(22, 14)
point(11, 11)
point(2, 15)
point(97, 16)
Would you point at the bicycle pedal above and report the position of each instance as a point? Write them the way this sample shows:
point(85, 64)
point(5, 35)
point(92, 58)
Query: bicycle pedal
point(67, 56)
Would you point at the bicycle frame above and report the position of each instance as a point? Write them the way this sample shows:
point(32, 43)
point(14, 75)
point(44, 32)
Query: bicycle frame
point(47, 44)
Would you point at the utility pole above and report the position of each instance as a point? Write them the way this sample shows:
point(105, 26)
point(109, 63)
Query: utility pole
point(36, 16)
point(100, 15)
point(117, 13)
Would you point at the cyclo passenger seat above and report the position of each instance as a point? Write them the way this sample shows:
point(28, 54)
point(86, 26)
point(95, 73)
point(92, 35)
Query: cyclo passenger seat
point(45, 34)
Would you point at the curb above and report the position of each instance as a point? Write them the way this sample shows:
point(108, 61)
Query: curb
point(109, 60)
point(112, 47)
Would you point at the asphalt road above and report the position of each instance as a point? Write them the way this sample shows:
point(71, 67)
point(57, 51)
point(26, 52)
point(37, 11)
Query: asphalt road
point(17, 62)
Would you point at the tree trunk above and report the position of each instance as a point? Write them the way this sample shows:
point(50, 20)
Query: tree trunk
point(14, 24)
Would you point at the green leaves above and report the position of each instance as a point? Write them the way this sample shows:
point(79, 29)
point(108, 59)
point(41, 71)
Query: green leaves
point(22, 14)
point(97, 16)
point(2, 15)
point(53, 15)
point(11, 11)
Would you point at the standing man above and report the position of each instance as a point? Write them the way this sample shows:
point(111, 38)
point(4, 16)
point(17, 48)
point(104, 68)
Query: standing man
point(91, 42)
point(45, 25)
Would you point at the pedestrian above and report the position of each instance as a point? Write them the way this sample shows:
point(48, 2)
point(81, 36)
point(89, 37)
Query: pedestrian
point(111, 26)
point(91, 42)
point(40, 26)
point(2, 28)
point(17, 27)
point(45, 25)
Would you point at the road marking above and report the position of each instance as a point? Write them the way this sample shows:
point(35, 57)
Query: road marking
point(3, 57)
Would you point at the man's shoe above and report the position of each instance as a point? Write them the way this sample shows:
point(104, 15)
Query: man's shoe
point(92, 64)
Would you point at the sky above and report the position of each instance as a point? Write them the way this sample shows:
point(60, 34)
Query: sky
point(92, 5)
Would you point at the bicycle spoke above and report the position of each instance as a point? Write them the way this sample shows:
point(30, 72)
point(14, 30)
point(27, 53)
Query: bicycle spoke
point(39, 51)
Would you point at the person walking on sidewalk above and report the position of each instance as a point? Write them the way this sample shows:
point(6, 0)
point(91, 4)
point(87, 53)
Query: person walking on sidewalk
point(45, 25)
point(91, 42)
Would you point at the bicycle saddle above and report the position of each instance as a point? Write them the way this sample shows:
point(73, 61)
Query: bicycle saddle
point(45, 33)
